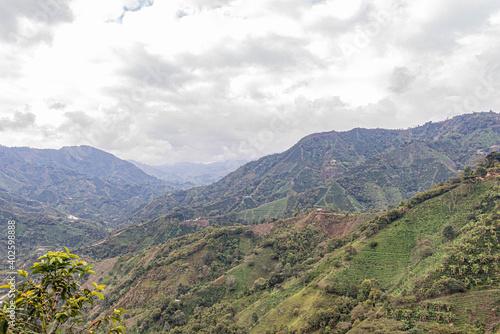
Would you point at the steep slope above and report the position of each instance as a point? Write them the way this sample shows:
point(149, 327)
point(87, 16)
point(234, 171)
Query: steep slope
point(79, 181)
point(362, 169)
point(429, 263)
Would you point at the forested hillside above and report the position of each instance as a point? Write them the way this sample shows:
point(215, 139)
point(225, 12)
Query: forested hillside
point(356, 170)
point(358, 231)
point(428, 266)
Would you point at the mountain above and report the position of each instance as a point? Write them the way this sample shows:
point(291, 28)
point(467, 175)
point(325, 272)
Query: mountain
point(82, 182)
point(356, 170)
point(185, 175)
point(428, 266)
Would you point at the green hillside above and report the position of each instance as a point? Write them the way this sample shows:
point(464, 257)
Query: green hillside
point(356, 170)
point(428, 266)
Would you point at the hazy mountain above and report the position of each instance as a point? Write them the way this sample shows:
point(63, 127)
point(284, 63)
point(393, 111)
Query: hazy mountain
point(80, 181)
point(353, 170)
point(185, 175)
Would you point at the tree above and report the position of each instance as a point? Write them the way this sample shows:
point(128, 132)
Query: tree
point(491, 160)
point(51, 301)
point(481, 171)
point(449, 232)
point(179, 318)
point(287, 270)
point(467, 174)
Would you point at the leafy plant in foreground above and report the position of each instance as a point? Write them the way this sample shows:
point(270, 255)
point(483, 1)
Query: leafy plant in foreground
point(51, 301)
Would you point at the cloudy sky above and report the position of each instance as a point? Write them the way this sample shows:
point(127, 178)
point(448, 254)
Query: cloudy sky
point(208, 80)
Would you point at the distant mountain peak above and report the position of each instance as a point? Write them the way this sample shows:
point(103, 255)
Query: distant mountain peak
point(185, 175)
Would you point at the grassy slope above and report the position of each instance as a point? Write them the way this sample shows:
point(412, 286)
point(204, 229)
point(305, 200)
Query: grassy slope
point(267, 211)
point(396, 254)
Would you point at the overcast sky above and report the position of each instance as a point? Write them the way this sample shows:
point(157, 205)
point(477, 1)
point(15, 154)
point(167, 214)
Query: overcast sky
point(211, 80)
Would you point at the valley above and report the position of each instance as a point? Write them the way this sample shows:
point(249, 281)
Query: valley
point(393, 271)
point(368, 230)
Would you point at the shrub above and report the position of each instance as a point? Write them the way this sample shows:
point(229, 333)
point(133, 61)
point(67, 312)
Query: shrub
point(481, 171)
point(425, 252)
point(260, 283)
point(446, 286)
point(55, 277)
point(323, 318)
point(449, 232)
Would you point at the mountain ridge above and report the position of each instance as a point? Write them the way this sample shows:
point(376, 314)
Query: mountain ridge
point(185, 175)
point(76, 180)
point(329, 158)
point(427, 266)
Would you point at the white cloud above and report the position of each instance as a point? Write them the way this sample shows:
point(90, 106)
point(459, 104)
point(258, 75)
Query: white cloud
point(193, 80)
point(31, 21)
point(20, 120)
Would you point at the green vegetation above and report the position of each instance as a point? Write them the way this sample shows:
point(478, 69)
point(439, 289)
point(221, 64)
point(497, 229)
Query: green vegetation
point(137, 237)
point(422, 257)
point(37, 234)
point(267, 211)
point(324, 272)
point(50, 300)
point(361, 169)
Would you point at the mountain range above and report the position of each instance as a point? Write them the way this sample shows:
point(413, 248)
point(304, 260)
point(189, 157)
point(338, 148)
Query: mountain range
point(428, 266)
point(303, 177)
point(356, 170)
point(367, 230)
point(185, 175)
point(72, 196)
point(86, 191)
point(82, 182)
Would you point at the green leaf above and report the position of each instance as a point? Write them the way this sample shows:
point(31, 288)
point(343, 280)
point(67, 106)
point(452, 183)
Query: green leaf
point(23, 273)
point(119, 330)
